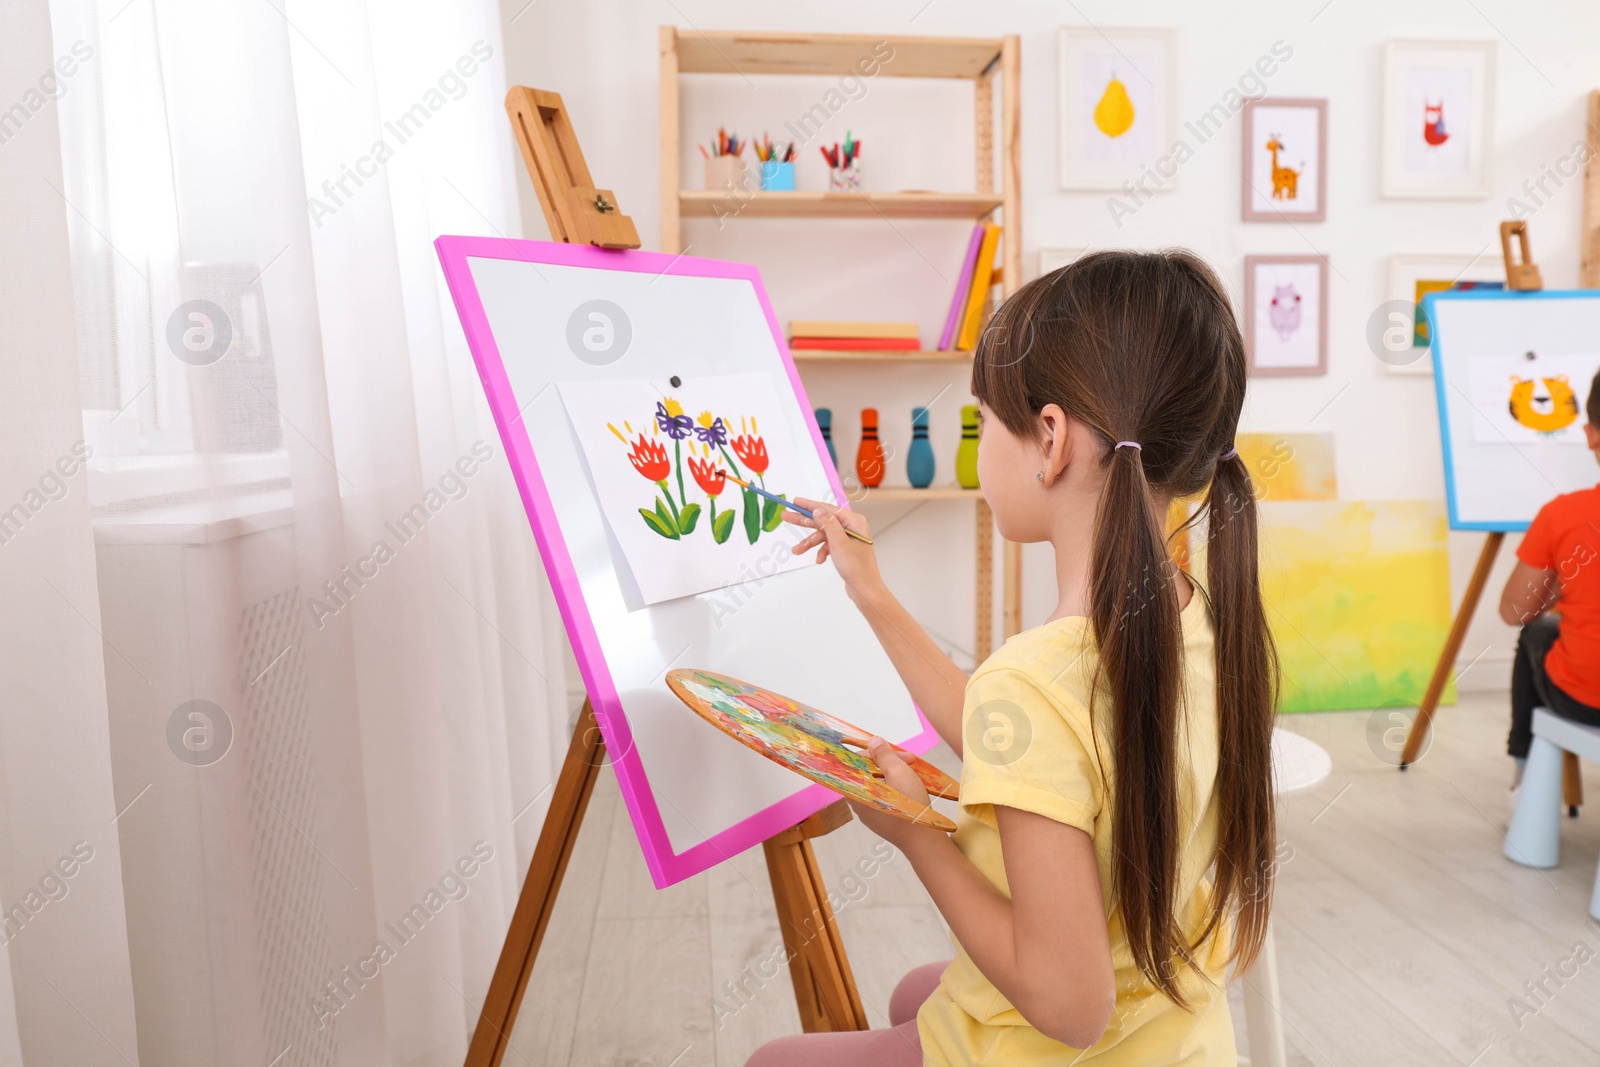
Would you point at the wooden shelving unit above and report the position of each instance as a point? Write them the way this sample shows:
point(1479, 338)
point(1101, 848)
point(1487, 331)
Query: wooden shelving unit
point(833, 355)
point(982, 61)
point(811, 204)
point(903, 493)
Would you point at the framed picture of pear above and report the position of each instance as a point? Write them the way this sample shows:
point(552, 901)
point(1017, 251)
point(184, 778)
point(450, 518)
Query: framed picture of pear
point(1119, 108)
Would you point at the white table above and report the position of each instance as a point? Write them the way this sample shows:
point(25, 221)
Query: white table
point(1297, 763)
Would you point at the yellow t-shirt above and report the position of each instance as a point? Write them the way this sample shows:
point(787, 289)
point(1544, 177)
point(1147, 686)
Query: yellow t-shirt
point(1029, 745)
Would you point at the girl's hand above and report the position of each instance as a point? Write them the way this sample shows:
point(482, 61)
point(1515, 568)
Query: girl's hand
point(856, 562)
point(901, 778)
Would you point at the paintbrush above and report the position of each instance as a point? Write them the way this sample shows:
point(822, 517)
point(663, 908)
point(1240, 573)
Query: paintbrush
point(863, 538)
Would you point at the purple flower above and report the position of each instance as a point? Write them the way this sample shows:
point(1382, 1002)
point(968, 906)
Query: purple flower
point(711, 431)
point(673, 422)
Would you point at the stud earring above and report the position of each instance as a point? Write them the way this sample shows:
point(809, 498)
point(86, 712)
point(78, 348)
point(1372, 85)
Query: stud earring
point(1039, 476)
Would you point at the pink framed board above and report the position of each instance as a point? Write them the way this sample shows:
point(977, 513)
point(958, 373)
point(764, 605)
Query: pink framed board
point(572, 343)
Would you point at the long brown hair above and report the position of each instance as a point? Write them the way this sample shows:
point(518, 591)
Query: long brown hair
point(1143, 347)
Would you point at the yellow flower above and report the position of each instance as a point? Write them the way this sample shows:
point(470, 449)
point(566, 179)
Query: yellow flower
point(673, 407)
point(705, 419)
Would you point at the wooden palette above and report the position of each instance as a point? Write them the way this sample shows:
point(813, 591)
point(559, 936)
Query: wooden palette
point(807, 741)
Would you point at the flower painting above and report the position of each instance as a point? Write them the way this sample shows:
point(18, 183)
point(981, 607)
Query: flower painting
point(667, 462)
point(709, 464)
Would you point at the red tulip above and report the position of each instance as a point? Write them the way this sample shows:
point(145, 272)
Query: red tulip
point(650, 459)
point(753, 450)
point(708, 475)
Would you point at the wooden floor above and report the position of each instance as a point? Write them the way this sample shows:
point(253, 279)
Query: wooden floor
point(1403, 935)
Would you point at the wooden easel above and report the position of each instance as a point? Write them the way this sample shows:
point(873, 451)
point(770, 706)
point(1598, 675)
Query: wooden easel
point(824, 986)
point(1522, 273)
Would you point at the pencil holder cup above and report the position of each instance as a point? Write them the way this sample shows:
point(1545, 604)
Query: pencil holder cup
point(845, 179)
point(725, 172)
point(777, 177)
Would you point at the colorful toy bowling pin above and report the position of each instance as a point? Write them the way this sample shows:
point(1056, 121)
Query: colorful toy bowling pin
point(919, 460)
point(967, 451)
point(825, 424)
point(869, 457)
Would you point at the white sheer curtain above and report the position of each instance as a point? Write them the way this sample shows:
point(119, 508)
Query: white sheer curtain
point(282, 655)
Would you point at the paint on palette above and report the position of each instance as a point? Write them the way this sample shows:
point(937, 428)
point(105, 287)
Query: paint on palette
point(808, 741)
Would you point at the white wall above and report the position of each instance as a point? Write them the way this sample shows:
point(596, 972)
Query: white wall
point(602, 57)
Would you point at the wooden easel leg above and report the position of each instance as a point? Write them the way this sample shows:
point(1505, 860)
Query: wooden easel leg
point(1452, 647)
point(983, 595)
point(1571, 784)
point(824, 985)
point(585, 754)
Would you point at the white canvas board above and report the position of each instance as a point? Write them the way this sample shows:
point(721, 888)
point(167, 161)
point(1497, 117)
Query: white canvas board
point(1499, 474)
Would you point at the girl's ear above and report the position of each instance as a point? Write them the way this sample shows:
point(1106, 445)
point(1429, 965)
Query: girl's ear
point(1055, 443)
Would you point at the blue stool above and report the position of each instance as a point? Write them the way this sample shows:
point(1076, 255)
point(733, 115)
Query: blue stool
point(1534, 837)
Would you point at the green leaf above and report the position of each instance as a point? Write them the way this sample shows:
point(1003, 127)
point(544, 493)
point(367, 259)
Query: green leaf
point(752, 515)
point(688, 515)
point(666, 517)
point(772, 515)
point(722, 526)
point(653, 520)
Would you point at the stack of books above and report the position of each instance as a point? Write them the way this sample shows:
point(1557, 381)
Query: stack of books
point(854, 336)
point(967, 305)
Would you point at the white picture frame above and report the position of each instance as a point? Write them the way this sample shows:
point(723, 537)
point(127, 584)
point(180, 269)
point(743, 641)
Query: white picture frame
point(1407, 271)
point(1438, 119)
point(1055, 258)
point(1139, 124)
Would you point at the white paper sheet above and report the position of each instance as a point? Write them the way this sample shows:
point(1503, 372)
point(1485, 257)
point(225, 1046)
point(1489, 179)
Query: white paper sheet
point(654, 453)
point(1517, 401)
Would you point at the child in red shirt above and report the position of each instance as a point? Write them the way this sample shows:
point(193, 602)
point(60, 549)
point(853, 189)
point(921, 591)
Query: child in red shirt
point(1558, 657)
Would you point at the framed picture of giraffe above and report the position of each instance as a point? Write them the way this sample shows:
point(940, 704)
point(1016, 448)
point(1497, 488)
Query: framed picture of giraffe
point(1284, 171)
point(1438, 119)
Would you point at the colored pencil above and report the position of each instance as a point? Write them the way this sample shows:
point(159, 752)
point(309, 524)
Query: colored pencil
point(775, 498)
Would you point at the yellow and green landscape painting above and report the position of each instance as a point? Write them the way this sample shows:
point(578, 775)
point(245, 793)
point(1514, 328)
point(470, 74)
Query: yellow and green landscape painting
point(1357, 592)
point(1358, 597)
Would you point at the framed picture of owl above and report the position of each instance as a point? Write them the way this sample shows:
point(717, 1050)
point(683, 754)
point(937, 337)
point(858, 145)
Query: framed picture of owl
point(1286, 315)
point(1119, 111)
point(1438, 119)
point(1284, 173)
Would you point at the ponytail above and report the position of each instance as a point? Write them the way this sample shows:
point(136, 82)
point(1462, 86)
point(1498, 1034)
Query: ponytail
point(1133, 607)
point(1146, 344)
point(1247, 694)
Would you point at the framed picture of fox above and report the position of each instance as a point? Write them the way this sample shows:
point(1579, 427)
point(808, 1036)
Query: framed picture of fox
point(1284, 173)
point(1438, 111)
